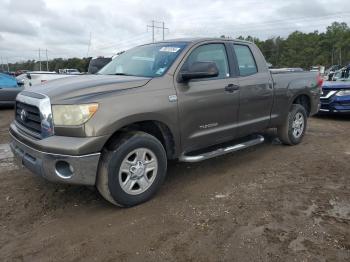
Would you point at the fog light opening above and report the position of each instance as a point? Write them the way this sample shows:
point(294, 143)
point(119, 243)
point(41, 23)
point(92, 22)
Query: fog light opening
point(64, 169)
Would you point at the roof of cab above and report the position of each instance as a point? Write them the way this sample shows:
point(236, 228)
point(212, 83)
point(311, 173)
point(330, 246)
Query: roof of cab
point(202, 39)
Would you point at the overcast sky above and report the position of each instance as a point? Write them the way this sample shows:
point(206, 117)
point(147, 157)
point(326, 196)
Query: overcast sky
point(64, 26)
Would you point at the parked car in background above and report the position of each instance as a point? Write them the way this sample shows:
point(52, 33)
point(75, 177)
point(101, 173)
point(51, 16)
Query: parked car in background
point(97, 63)
point(319, 68)
point(287, 69)
point(341, 74)
point(331, 70)
point(21, 79)
point(8, 89)
point(338, 74)
point(20, 72)
point(38, 77)
point(335, 96)
point(7, 80)
point(186, 99)
point(69, 71)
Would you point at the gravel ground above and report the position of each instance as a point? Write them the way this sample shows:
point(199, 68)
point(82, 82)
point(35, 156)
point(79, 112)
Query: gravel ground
point(267, 203)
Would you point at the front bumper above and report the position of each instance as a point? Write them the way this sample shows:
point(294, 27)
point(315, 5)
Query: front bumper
point(80, 170)
point(336, 104)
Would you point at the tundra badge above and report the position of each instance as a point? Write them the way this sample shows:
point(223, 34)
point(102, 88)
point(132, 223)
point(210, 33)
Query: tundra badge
point(173, 98)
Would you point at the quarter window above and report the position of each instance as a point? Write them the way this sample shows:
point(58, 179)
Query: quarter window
point(211, 53)
point(245, 59)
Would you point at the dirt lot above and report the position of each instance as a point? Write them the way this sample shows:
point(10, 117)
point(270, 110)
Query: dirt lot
point(268, 203)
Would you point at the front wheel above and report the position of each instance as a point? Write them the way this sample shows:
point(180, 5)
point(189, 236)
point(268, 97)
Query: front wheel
point(133, 170)
point(294, 127)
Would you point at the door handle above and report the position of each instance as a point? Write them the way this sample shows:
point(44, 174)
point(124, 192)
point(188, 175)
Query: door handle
point(231, 88)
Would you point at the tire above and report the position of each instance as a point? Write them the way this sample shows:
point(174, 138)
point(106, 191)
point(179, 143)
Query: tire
point(293, 135)
point(132, 172)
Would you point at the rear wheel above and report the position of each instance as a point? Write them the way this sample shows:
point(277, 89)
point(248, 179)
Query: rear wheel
point(133, 171)
point(294, 127)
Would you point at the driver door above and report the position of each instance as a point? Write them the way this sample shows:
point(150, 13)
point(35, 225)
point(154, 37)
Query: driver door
point(208, 108)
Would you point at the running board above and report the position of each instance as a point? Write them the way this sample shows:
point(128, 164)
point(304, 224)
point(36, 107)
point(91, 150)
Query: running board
point(258, 139)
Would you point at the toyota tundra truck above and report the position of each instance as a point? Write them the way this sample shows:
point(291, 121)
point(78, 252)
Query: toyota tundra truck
point(186, 99)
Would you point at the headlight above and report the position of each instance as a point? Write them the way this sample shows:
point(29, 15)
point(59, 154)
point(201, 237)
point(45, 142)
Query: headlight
point(343, 93)
point(73, 115)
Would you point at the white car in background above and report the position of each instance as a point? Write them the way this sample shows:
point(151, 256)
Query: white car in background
point(68, 71)
point(320, 69)
point(38, 77)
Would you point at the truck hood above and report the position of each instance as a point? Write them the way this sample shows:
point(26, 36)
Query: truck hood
point(79, 87)
point(336, 85)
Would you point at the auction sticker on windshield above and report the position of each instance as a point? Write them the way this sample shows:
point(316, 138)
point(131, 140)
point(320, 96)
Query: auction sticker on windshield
point(169, 49)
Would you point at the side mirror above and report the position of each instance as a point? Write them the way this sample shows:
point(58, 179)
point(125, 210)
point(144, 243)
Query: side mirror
point(29, 76)
point(199, 70)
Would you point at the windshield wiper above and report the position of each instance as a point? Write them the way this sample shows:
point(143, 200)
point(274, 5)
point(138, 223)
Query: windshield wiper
point(121, 74)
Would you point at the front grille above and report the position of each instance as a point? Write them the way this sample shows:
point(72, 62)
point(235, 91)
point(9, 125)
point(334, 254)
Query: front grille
point(342, 104)
point(325, 92)
point(326, 100)
point(31, 119)
point(327, 95)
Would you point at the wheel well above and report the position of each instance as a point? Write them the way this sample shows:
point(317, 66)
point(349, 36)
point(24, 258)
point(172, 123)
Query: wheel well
point(154, 128)
point(303, 100)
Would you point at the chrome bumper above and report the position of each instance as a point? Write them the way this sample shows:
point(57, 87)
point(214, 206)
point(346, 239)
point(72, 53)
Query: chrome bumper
point(80, 170)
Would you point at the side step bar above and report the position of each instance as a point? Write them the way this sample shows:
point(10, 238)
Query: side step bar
point(221, 151)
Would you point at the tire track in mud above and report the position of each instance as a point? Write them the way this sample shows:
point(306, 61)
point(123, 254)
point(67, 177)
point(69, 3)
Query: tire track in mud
point(7, 161)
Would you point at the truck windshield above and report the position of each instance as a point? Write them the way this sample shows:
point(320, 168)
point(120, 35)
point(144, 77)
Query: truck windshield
point(148, 60)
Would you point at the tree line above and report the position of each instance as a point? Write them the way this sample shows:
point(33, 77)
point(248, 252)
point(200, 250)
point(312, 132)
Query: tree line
point(297, 50)
point(81, 64)
point(307, 49)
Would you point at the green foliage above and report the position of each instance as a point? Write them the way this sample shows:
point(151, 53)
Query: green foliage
point(81, 64)
point(307, 49)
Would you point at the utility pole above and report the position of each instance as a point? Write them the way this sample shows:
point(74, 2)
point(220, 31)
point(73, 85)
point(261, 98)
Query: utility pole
point(47, 61)
point(88, 49)
point(8, 67)
point(332, 55)
point(153, 26)
point(2, 64)
point(163, 27)
point(39, 60)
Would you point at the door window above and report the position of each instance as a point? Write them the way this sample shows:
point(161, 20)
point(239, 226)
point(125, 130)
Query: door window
point(245, 59)
point(210, 53)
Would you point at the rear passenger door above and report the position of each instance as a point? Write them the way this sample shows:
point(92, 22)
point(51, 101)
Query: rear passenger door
point(256, 89)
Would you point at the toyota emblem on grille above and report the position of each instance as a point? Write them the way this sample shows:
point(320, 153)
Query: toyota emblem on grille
point(23, 115)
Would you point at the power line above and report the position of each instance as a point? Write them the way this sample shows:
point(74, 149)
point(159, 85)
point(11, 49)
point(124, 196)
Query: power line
point(153, 26)
point(259, 27)
point(124, 41)
point(273, 23)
